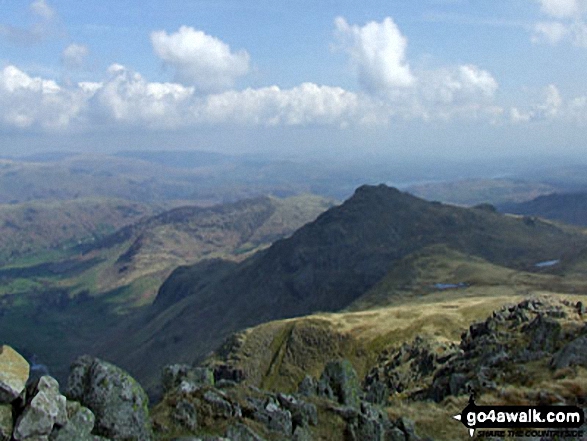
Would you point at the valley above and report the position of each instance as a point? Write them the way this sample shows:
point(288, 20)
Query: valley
point(277, 288)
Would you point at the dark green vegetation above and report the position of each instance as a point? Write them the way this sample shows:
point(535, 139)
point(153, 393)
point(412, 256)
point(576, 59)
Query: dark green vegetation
point(329, 265)
point(570, 208)
point(90, 286)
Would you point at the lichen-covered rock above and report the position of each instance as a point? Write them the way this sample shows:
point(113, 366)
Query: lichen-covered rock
point(302, 413)
point(185, 414)
point(14, 372)
point(339, 382)
point(308, 386)
point(544, 333)
point(6, 423)
point(173, 375)
point(574, 353)
point(45, 409)
point(78, 428)
point(118, 402)
point(270, 414)
point(240, 432)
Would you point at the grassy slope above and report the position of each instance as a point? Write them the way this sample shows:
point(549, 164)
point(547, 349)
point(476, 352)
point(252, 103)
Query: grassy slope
point(404, 304)
point(326, 266)
point(45, 295)
point(28, 230)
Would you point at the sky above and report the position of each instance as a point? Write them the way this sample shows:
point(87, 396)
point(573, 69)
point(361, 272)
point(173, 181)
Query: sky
point(427, 78)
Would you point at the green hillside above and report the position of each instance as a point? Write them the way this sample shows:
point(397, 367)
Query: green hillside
point(326, 266)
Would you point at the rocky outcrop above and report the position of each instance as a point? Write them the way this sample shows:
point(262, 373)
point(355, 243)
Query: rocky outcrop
point(45, 409)
point(116, 399)
point(14, 372)
point(42, 413)
point(339, 382)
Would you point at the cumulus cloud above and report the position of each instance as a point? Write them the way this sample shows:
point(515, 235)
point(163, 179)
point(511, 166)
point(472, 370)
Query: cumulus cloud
point(74, 55)
point(42, 9)
point(39, 30)
point(200, 59)
point(27, 101)
point(377, 51)
point(563, 8)
point(550, 107)
point(569, 22)
point(126, 98)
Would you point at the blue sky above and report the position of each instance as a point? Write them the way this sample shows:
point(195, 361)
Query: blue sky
point(406, 78)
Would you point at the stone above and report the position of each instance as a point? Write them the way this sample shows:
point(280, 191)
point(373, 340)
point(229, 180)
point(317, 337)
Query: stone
point(573, 353)
point(268, 413)
point(46, 408)
point(219, 405)
point(307, 386)
point(14, 373)
point(339, 381)
point(302, 434)
point(118, 402)
point(227, 372)
point(6, 423)
point(302, 413)
point(173, 375)
point(78, 428)
point(377, 393)
point(240, 432)
point(544, 333)
point(185, 414)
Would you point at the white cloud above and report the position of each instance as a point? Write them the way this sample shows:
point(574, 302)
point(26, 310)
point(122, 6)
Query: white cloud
point(551, 32)
point(552, 106)
point(378, 52)
point(306, 104)
point(570, 23)
point(563, 8)
point(42, 9)
point(74, 55)
point(200, 59)
point(35, 102)
point(126, 97)
point(42, 28)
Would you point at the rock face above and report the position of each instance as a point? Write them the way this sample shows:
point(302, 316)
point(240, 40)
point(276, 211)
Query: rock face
point(116, 399)
point(45, 409)
point(14, 372)
point(339, 382)
point(574, 353)
point(174, 375)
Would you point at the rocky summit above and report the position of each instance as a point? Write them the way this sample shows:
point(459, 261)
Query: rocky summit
point(530, 352)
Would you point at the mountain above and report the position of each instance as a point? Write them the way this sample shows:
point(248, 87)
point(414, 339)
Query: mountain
point(93, 286)
point(570, 208)
point(145, 253)
point(324, 266)
point(49, 226)
point(476, 191)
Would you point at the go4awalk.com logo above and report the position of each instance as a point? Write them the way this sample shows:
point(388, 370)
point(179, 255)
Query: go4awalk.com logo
point(562, 421)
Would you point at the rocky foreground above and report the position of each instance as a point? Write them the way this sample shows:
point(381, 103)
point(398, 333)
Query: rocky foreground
point(534, 352)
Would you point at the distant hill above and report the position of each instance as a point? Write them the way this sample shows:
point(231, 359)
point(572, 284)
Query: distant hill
point(325, 266)
point(47, 226)
point(147, 251)
point(570, 208)
point(476, 191)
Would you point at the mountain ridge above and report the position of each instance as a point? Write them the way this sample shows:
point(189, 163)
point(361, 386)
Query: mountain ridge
point(325, 266)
